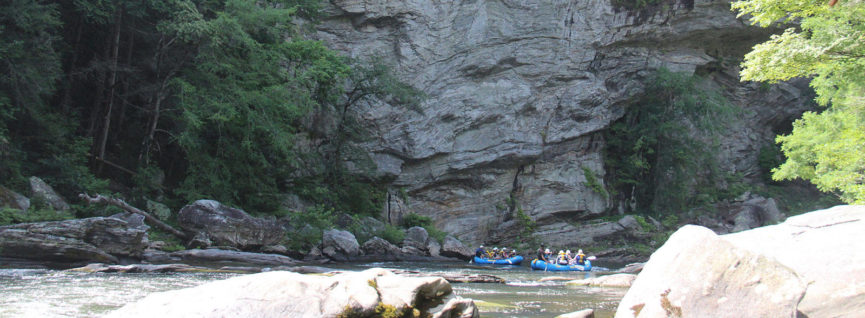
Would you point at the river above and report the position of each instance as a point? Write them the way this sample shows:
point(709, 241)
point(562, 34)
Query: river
point(55, 293)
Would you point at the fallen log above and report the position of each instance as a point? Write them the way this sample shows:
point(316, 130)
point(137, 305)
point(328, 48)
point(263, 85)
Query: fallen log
point(101, 199)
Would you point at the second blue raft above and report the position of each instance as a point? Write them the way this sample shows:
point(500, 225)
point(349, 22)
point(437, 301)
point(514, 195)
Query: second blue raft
point(516, 260)
point(544, 266)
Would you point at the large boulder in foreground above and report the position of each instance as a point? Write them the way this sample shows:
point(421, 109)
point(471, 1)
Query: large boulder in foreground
point(227, 226)
point(698, 274)
point(284, 294)
point(100, 239)
point(824, 248)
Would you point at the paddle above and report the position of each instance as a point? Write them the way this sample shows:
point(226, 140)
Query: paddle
point(591, 258)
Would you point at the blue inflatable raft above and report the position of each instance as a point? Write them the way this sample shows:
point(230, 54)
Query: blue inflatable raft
point(516, 260)
point(544, 266)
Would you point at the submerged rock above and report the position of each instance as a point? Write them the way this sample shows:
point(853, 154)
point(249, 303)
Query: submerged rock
point(285, 294)
point(698, 274)
point(227, 226)
point(97, 239)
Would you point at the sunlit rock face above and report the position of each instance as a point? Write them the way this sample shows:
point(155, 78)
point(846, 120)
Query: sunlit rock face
point(519, 91)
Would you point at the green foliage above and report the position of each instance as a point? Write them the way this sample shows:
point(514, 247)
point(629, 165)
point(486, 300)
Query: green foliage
point(670, 222)
point(593, 183)
point(392, 234)
point(310, 224)
point(239, 110)
point(412, 220)
point(644, 224)
point(526, 237)
point(823, 148)
point(172, 243)
point(660, 154)
point(34, 214)
point(770, 157)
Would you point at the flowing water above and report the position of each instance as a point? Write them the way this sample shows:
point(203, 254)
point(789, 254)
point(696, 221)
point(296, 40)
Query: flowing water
point(52, 293)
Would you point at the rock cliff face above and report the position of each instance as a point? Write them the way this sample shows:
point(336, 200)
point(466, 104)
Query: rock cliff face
point(519, 91)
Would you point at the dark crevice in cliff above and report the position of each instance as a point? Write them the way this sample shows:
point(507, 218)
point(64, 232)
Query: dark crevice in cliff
point(515, 189)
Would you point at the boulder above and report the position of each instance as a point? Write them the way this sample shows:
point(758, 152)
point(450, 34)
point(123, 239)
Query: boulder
point(379, 246)
point(698, 274)
point(339, 245)
point(615, 280)
point(99, 239)
point(452, 247)
point(434, 248)
point(411, 250)
point(217, 255)
point(42, 190)
point(13, 200)
point(227, 226)
point(134, 221)
point(632, 268)
point(416, 237)
point(746, 218)
point(275, 249)
point(458, 307)
point(286, 294)
point(585, 313)
point(825, 249)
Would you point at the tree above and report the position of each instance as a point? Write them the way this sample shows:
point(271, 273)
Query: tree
point(243, 95)
point(829, 46)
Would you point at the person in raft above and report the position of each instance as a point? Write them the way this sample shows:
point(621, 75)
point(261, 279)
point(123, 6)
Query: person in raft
point(562, 259)
point(494, 253)
point(541, 256)
point(549, 256)
point(480, 252)
point(580, 258)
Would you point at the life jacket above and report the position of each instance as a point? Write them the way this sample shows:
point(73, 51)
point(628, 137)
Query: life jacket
point(581, 259)
point(562, 260)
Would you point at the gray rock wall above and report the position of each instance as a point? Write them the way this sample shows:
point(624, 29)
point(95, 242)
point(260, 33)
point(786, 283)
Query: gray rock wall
point(519, 91)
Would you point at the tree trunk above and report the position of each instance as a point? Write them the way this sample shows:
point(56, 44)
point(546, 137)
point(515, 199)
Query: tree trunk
point(106, 126)
point(100, 199)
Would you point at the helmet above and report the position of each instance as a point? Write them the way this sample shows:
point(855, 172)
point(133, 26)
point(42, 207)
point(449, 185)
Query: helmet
point(568, 252)
point(495, 248)
point(547, 251)
point(561, 252)
point(482, 246)
point(580, 252)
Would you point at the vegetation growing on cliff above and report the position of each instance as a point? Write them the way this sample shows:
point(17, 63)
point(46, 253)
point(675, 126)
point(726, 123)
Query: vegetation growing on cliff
point(824, 148)
point(180, 100)
point(658, 156)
